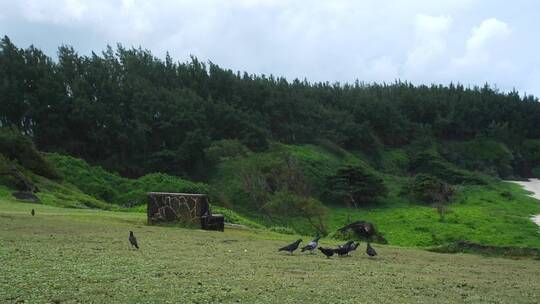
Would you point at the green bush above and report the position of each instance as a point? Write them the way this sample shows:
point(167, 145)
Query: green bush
point(356, 185)
point(112, 188)
point(288, 205)
point(481, 154)
point(134, 192)
point(429, 162)
point(16, 147)
point(5, 178)
point(428, 189)
point(226, 149)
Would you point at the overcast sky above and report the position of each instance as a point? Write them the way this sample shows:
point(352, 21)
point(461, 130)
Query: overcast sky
point(466, 41)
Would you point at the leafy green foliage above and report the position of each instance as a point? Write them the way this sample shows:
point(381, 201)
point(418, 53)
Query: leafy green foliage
point(20, 149)
point(133, 113)
point(226, 149)
point(428, 189)
point(355, 186)
point(528, 160)
point(431, 163)
point(97, 182)
point(284, 204)
point(481, 154)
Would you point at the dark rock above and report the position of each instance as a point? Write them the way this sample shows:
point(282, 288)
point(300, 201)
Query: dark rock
point(364, 230)
point(361, 228)
point(26, 196)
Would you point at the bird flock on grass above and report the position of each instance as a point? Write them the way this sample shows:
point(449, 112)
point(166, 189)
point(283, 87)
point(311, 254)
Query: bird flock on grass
point(341, 250)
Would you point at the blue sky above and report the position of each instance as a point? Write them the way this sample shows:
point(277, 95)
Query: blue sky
point(466, 41)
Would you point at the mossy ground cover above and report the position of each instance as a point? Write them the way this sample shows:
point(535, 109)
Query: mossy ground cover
point(77, 255)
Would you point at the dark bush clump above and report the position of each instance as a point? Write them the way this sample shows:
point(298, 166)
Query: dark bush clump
point(16, 147)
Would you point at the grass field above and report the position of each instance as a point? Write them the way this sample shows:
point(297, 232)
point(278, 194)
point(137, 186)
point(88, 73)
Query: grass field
point(73, 255)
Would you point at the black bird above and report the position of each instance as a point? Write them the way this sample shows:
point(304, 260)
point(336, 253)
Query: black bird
point(312, 245)
point(328, 252)
point(342, 251)
point(291, 247)
point(133, 240)
point(370, 251)
point(347, 245)
point(345, 248)
point(33, 212)
point(354, 246)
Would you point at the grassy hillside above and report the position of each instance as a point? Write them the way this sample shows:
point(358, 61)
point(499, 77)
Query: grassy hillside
point(73, 255)
point(483, 209)
point(496, 213)
point(112, 188)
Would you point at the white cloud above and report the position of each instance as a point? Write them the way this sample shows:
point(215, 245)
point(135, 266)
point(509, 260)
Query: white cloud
point(483, 42)
point(422, 41)
point(60, 11)
point(431, 34)
point(381, 69)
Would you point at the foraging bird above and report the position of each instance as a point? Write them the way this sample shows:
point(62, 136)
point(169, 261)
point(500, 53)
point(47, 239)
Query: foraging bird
point(328, 252)
point(33, 212)
point(354, 246)
point(133, 240)
point(312, 245)
point(347, 245)
point(342, 251)
point(370, 251)
point(345, 248)
point(291, 247)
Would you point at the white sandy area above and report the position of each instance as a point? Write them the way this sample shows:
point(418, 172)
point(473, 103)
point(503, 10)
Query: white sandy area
point(532, 185)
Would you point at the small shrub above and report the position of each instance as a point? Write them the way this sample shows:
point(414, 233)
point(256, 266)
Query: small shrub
point(226, 149)
point(289, 205)
point(429, 189)
point(356, 186)
point(96, 182)
point(16, 147)
point(430, 163)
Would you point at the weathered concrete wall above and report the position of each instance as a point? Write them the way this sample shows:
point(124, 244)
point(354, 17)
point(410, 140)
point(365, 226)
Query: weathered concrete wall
point(176, 207)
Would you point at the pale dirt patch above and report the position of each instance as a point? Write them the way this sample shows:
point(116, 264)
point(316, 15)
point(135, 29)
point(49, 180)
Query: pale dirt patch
point(532, 185)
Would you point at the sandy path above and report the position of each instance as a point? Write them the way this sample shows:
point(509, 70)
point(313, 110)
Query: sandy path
point(532, 185)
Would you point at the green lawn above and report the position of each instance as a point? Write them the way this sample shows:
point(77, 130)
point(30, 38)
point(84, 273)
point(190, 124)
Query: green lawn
point(479, 214)
point(74, 255)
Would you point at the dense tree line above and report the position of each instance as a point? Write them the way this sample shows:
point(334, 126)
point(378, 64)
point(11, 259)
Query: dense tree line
point(135, 113)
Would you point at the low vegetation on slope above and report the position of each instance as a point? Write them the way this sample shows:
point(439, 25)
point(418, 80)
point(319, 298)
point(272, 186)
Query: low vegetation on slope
point(313, 189)
point(487, 211)
point(112, 188)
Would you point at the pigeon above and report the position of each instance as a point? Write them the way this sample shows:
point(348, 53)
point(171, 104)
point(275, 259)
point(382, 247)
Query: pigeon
point(312, 245)
point(354, 246)
point(342, 251)
point(328, 252)
point(370, 251)
point(133, 240)
point(347, 245)
point(291, 247)
point(33, 212)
